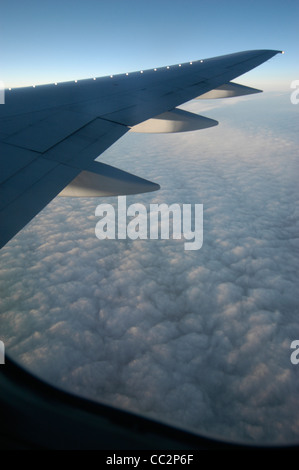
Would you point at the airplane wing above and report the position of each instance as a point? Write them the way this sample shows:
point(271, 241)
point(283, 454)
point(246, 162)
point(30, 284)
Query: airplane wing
point(51, 134)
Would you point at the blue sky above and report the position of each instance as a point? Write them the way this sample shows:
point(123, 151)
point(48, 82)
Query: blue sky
point(56, 41)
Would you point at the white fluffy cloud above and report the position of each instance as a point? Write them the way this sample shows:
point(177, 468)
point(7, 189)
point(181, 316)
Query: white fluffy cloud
point(201, 338)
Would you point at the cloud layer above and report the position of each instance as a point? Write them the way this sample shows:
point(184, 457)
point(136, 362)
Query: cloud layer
point(202, 338)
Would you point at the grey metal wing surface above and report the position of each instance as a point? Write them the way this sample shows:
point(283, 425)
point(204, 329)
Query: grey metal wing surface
point(50, 135)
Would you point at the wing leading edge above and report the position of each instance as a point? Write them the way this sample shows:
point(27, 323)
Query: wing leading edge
point(51, 134)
